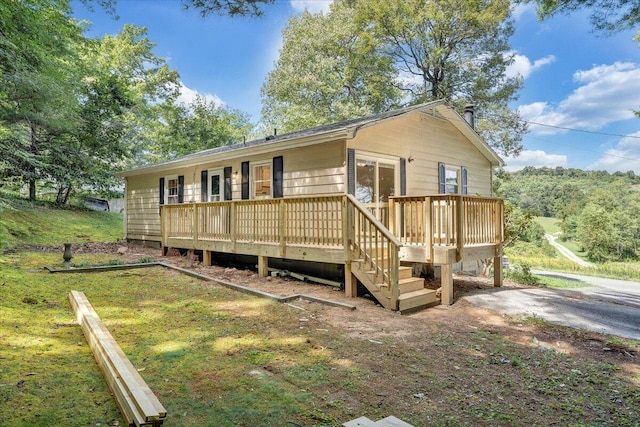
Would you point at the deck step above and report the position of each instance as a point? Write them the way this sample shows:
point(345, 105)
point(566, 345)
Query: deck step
point(416, 299)
point(405, 272)
point(390, 421)
point(411, 284)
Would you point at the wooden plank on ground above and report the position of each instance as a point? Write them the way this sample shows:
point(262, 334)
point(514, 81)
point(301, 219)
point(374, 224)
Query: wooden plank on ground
point(135, 399)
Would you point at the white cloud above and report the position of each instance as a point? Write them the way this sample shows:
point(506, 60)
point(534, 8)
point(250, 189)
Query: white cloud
point(312, 6)
point(535, 158)
point(625, 156)
point(522, 8)
point(607, 94)
point(187, 95)
point(524, 67)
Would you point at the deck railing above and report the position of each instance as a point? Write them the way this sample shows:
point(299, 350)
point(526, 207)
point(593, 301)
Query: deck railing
point(331, 220)
point(316, 221)
point(447, 220)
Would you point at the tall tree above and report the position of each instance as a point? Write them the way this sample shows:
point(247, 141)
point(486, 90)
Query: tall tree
point(198, 125)
point(328, 71)
point(453, 50)
point(371, 55)
point(39, 74)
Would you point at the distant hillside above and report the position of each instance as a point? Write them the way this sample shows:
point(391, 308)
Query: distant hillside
point(25, 223)
point(598, 210)
point(557, 192)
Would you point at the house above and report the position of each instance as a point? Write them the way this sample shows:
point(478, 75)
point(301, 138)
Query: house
point(371, 195)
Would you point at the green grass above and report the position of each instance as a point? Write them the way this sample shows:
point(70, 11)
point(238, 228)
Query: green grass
point(550, 225)
point(621, 270)
point(221, 358)
point(573, 247)
point(559, 283)
point(216, 357)
point(24, 223)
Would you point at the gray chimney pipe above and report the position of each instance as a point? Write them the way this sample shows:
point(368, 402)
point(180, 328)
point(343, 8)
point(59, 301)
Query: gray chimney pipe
point(469, 115)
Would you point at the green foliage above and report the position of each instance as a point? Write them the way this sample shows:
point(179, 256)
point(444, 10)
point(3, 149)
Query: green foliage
point(229, 7)
point(598, 209)
point(329, 70)
point(452, 50)
point(521, 273)
point(371, 55)
point(200, 125)
point(606, 15)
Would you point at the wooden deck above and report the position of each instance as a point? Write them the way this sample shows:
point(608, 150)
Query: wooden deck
point(438, 229)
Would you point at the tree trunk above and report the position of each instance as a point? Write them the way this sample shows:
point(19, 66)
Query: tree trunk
point(32, 189)
point(63, 195)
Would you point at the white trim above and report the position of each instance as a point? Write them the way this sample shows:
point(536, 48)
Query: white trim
point(213, 172)
point(167, 178)
point(252, 167)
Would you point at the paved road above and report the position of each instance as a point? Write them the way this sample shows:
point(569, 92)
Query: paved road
point(608, 306)
point(566, 252)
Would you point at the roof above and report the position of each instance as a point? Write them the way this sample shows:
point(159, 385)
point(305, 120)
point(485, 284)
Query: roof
point(346, 129)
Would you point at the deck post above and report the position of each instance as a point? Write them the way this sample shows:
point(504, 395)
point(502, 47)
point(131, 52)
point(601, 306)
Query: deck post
point(206, 257)
point(195, 224)
point(263, 266)
point(497, 271)
point(283, 229)
point(446, 283)
point(350, 282)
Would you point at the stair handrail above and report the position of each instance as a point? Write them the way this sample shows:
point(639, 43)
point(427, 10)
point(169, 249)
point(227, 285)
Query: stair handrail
point(393, 250)
point(376, 222)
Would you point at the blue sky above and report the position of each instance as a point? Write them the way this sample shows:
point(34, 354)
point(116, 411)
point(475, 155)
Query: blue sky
point(574, 78)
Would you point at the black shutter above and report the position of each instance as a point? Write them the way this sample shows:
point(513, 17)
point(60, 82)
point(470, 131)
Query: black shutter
point(351, 171)
point(463, 172)
point(204, 175)
point(161, 201)
point(278, 188)
point(245, 180)
point(403, 176)
point(227, 183)
point(181, 189)
point(442, 178)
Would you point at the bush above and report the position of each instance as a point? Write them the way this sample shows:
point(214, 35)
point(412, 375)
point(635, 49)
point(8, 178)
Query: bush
point(521, 273)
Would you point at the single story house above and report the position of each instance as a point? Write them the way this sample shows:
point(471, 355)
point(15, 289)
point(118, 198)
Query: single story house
point(371, 195)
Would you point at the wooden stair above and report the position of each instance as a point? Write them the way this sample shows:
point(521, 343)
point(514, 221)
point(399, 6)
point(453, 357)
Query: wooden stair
point(412, 293)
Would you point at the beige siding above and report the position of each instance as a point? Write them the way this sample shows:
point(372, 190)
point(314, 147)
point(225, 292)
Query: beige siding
point(307, 171)
point(428, 141)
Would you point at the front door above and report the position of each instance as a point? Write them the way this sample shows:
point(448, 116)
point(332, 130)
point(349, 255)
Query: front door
point(376, 181)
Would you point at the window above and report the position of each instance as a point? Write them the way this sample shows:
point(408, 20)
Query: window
point(452, 179)
point(261, 181)
point(172, 190)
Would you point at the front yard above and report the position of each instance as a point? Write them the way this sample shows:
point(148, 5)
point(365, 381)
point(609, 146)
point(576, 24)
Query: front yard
point(216, 357)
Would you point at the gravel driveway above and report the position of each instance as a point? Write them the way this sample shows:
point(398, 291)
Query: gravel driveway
point(607, 306)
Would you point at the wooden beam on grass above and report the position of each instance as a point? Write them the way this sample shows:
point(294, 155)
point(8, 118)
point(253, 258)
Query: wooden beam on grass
point(136, 401)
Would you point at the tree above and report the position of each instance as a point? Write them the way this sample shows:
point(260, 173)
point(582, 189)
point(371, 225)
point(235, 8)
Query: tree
point(452, 50)
point(328, 71)
point(371, 55)
point(606, 15)
point(230, 7)
point(197, 126)
point(40, 70)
